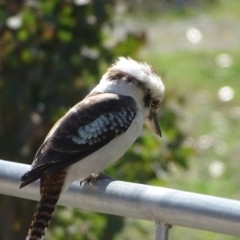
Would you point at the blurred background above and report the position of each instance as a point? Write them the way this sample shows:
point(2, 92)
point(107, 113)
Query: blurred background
point(53, 52)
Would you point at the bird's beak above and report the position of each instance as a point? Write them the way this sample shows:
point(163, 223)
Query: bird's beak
point(153, 123)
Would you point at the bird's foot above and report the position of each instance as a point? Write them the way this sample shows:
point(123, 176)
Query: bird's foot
point(92, 178)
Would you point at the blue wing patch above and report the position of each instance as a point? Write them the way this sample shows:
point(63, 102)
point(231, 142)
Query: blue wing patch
point(96, 131)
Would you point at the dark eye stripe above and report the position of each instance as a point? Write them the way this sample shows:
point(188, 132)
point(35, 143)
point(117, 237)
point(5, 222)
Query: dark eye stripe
point(155, 104)
point(147, 99)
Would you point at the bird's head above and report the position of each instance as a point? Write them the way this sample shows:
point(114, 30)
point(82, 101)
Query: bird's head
point(141, 82)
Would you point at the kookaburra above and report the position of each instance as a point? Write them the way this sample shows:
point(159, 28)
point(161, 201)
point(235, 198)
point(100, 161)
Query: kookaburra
point(94, 133)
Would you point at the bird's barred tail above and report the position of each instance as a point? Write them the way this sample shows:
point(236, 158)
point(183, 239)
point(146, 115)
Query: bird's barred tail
point(50, 189)
point(42, 217)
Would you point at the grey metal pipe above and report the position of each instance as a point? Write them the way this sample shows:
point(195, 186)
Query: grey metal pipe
point(162, 231)
point(126, 199)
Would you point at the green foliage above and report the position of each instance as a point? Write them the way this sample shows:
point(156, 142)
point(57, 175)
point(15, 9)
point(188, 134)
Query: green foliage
point(52, 53)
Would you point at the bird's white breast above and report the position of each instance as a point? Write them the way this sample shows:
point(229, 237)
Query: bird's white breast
point(97, 161)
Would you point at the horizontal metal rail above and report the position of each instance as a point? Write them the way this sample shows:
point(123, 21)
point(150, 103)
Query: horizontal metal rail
point(164, 206)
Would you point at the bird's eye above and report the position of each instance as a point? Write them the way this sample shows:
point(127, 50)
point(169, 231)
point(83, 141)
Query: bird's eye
point(155, 104)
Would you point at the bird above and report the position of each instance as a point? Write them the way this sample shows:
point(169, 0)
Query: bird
point(94, 133)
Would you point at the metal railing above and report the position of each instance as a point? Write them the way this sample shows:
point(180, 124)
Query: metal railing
point(166, 207)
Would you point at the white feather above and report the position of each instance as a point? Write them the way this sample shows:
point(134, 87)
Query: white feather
point(140, 71)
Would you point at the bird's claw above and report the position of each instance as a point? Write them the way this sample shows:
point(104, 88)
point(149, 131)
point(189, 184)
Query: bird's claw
point(92, 178)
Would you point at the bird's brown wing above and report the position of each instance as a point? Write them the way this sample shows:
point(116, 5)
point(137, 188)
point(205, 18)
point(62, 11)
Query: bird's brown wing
point(87, 127)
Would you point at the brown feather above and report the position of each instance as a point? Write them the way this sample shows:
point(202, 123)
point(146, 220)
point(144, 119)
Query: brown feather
point(50, 190)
